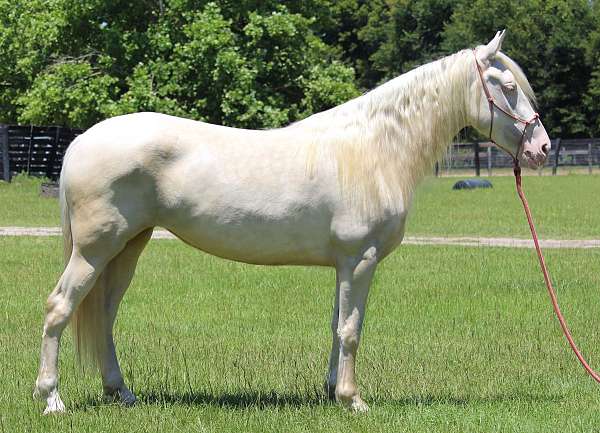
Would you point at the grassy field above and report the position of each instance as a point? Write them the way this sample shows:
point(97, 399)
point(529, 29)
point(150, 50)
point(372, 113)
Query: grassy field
point(456, 339)
point(564, 207)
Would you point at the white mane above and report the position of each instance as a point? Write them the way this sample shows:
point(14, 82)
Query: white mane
point(384, 141)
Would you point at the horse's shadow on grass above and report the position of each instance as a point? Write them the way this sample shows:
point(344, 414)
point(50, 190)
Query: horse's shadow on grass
point(235, 400)
point(275, 399)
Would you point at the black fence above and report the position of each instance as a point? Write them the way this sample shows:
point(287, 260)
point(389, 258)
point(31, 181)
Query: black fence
point(484, 157)
point(39, 151)
point(35, 150)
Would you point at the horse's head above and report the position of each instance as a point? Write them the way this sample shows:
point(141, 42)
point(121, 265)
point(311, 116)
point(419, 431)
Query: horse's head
point(501, 105)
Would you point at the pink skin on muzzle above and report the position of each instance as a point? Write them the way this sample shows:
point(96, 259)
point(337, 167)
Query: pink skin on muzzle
point(536, 146)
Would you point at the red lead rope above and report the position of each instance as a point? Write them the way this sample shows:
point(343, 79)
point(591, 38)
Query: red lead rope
point(551, 292)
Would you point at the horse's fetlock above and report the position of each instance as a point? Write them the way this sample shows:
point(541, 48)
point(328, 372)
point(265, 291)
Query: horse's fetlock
point(345, 393)
point(44, 386)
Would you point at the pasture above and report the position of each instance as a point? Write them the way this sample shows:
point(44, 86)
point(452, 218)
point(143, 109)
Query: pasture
point(564, 207)
point(455, 340)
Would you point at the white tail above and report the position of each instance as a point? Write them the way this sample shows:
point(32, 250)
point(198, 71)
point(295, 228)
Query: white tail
point(88, 322)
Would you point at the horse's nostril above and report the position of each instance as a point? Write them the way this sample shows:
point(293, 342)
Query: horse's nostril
point(545, 149)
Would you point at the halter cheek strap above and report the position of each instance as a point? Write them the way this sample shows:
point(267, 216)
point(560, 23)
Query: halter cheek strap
point(493, 104)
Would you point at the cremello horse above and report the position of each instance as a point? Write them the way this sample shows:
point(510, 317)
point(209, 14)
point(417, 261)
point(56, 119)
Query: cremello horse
point(331, 190)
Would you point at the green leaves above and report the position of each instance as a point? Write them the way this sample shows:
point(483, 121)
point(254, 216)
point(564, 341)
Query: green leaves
point(225, 65)
point(68, 93)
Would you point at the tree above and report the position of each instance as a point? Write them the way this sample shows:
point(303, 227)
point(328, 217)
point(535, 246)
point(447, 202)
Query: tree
point(404, 34)
point(548, 39)
point(592, 96)
point(235, 64)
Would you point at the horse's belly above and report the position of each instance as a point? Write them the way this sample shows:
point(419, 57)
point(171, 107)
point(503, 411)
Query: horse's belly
point(257, 241)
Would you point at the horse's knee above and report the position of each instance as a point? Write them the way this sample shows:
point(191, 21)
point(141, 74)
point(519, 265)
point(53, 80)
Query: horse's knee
point(349, 331)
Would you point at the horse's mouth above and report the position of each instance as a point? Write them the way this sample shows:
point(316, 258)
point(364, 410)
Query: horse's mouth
point(533, 162)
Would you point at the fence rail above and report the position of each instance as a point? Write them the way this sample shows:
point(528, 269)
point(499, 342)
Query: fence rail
point(39, 151)
point(35, 150)
point(484, 156)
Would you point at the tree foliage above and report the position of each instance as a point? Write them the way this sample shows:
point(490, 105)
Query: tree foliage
point(228, 64)
point(266, 63)
point(548, 39)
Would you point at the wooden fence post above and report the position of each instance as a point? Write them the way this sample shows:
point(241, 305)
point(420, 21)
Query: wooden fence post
point(557, 151)
point(489, 152)
point(5, 155)
point(590, 157)
point(477, 162)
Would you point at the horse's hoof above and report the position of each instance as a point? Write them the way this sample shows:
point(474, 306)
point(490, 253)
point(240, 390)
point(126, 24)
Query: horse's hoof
point(353, 402)
point(122, 395)
point(358, 405)
point(54, 404)
point(127, 398)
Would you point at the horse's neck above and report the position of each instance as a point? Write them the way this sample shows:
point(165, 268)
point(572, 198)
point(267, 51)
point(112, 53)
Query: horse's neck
point(417, 114)
point(389, 138)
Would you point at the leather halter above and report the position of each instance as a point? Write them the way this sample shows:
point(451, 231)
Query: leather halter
point(493, 104)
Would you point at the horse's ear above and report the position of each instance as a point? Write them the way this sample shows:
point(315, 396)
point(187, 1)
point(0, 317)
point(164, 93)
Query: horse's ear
point(486, 53)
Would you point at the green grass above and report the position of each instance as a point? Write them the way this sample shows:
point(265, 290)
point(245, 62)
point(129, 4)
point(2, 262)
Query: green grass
point(21, 204)
point(564, 207)
point(456, 340)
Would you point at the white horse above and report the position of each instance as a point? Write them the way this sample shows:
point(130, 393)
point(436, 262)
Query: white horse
point(331, 190)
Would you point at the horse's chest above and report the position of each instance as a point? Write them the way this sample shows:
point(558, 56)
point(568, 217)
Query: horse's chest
point(352, 236)
point(390, 234)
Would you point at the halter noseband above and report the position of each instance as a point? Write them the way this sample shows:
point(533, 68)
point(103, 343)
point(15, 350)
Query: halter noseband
point(493, 104)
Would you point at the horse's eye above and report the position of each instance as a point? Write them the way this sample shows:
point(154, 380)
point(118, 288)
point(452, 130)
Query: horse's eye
point(510, 86)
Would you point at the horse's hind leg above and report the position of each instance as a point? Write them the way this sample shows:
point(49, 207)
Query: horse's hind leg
point(118, 275)
point(79, 277)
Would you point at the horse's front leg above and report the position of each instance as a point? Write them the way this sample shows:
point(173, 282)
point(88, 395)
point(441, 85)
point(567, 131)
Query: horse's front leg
point(354, 276)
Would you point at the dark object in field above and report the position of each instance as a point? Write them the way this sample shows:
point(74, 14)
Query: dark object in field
point(49, 189)
point(472, 183)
